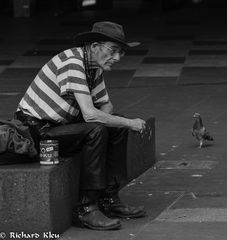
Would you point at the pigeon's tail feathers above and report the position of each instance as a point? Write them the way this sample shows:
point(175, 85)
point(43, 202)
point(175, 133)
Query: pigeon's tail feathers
point(208, 137)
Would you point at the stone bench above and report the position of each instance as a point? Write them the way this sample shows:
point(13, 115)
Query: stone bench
point(37, 199)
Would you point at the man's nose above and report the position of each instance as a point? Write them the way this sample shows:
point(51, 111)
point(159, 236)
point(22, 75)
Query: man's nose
point(117, 56)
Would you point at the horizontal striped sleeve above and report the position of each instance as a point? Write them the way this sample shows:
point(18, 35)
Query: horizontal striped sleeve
point(74, 87)
point(99, 78)
point(71, 73)
point(98, 88)
point(71, 77)
point(102, 101)
point(99, 94)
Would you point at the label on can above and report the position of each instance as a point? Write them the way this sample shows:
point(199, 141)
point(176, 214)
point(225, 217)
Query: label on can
point(49, 152)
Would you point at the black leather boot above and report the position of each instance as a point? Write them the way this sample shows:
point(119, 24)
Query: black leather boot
point(111, 205)
point(91, 217)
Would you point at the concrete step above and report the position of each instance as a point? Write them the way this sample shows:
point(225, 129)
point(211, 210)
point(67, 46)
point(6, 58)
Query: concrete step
point(37, 198)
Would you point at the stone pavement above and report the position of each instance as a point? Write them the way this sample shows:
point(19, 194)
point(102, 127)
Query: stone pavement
point(180, 68)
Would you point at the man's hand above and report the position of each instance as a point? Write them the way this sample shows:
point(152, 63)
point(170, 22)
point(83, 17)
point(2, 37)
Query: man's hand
point(138, 125)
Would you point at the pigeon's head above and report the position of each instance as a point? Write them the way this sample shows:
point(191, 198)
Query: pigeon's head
point(196, 115)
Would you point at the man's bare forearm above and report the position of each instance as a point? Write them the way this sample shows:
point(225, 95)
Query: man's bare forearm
point(109, 120)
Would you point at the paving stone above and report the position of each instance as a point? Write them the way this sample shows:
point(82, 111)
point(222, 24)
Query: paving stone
point(198, 200)
point(208, 52)
point(194, 215)
point(186, 231)
point(159, 70)
point(206, 61)
point(203, 75)
point(152, 81)
point(118, 78)
point(171, 181)
point(160, 60)
point(172, 48)
point(128, 63)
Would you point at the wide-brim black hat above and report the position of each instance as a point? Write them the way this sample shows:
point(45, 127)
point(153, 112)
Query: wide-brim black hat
point(104, 31)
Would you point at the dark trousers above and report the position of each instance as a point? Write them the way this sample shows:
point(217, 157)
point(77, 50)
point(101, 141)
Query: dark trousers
point(103, 149)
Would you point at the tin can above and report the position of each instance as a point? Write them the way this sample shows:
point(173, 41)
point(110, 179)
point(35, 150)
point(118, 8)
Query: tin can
point(49, 152)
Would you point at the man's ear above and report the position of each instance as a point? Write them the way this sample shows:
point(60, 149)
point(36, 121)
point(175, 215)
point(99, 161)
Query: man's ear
point(94, 47)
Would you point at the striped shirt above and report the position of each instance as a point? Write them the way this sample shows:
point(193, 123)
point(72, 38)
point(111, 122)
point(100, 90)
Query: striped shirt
point(51, 94)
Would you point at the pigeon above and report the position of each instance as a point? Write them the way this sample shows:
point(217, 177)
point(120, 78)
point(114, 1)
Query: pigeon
point(199, 131)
